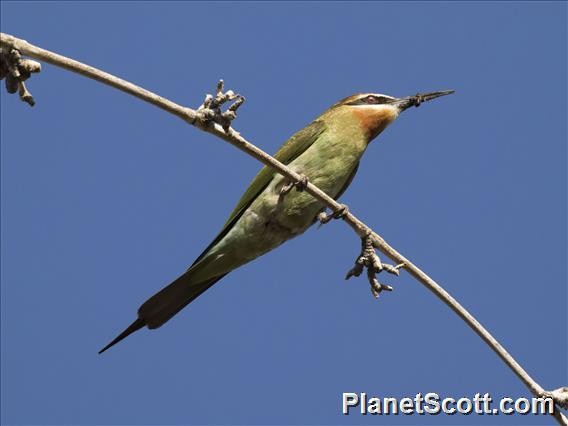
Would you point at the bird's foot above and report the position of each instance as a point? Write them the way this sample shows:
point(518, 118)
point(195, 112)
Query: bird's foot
point(324, 217)
point(370, 260)
point(301, 185)
point(210, 111)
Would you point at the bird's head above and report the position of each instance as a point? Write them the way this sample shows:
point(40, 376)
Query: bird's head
point(373, 112)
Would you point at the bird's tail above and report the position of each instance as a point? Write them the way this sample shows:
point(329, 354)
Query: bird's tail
point(135, 326)
point(162, 306)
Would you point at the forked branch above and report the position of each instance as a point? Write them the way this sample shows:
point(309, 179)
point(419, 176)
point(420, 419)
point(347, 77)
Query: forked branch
point(211, 119)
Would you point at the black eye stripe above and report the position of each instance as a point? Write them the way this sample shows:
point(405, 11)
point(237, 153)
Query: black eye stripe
point(371, 100)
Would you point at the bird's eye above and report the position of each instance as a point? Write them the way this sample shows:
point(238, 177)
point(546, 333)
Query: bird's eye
point(370, 100)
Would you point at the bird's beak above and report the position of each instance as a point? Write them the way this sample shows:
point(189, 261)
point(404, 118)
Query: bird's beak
point(416, 100)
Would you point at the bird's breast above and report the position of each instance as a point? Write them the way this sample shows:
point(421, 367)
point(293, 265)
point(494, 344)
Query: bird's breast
point(326, 166)
point(275, 217)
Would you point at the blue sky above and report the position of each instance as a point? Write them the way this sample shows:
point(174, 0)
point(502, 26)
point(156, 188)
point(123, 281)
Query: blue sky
point(106, 199)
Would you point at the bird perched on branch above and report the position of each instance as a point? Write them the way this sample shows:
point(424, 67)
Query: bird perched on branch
point(327, 153)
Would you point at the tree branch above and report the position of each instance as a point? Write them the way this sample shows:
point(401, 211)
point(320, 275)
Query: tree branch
point(196, 118)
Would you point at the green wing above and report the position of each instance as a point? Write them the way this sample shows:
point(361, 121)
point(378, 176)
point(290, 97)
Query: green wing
point(287, 153)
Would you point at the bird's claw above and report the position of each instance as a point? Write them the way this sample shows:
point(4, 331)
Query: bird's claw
point(341, 213)
point(300, 185)
point(324, 217)
point(370, 260)
point(210, 111)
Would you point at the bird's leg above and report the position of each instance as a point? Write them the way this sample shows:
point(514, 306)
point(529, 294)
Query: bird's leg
point(210, 111)
point(300, 185)
point(370, 260)
point(324, 218)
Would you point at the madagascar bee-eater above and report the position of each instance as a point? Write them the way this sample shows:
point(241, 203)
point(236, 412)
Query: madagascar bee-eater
point(327, 153)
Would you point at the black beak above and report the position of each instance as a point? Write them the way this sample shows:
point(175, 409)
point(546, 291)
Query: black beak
point(416, 100)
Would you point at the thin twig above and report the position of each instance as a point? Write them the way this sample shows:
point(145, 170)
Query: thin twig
point(233, 137)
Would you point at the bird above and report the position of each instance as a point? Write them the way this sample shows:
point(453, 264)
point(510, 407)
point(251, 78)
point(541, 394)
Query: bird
point(326, 153)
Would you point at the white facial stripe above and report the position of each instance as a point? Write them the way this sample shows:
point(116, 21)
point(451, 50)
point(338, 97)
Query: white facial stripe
point(379, 94)
point(375, 107)
point(361, 99)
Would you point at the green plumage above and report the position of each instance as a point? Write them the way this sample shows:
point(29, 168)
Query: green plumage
point(263, 218)
point(327, 152)
point(288, 152)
